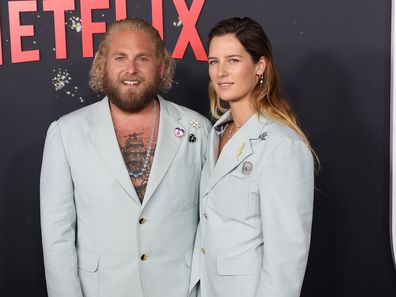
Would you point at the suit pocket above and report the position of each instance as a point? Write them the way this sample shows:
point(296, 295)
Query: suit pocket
point(182, 186)
point(87, 261)
point(245, 263)
point(88, 264)
point(231, 195)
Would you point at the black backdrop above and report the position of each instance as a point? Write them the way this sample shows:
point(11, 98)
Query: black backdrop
point(333, 58)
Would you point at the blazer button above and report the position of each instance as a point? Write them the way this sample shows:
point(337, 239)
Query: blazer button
point(143, 257)
point(203, 251)
point(142, 221)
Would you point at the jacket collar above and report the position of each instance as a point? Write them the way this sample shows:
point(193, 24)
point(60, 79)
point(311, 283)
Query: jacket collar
point(236, 150)
point(167, 146)
point(104, 140)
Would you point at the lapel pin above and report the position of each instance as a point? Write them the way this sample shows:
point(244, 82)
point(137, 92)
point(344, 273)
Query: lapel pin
point(179, 132)
point(263, 136)
point(195, 124)
point(240, 149)
point(192, 138)
point(247, 168)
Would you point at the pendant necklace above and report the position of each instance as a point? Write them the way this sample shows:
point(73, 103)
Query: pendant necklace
point(148, 153)
point(231, 129)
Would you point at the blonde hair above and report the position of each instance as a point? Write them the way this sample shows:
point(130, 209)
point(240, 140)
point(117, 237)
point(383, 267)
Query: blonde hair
point(267, 97)
point(97, 74)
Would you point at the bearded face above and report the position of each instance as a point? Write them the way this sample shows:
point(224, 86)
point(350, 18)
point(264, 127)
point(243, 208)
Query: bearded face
point(132, 70)
point(121, 91)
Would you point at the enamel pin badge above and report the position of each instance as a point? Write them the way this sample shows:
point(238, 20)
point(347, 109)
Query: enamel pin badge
point(240, 149)
point(247, 168)
point(179, 132)
point(263, 135)
point(194, 127)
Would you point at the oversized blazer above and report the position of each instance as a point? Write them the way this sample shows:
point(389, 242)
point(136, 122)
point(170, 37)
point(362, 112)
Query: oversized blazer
point(99, 240)
point(255, 212)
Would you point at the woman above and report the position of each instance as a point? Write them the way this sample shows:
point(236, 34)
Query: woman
point(257, 183)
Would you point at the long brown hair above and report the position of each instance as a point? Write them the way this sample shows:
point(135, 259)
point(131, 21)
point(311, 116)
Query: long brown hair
point(96, 74)
point(267, 96)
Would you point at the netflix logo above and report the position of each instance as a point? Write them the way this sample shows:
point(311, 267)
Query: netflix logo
point(188, 16)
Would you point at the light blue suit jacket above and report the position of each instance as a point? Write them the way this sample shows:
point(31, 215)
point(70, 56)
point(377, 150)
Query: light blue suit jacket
point(255, 214)
point(92, 239)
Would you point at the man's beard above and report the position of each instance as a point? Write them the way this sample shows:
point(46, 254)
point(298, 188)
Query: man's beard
point(131, 101)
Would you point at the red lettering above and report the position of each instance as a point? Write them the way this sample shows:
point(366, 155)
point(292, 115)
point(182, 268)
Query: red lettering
point(17, 31)
point(189, 33)
point(88, 27)
point(59, 7)
point(157, 16)
point(120, 9)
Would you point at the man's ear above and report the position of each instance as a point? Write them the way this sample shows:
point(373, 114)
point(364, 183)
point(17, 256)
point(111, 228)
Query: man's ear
point(102, 66)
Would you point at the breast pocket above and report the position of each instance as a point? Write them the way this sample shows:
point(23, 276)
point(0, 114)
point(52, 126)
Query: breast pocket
point(183, 186)
point(231, 195)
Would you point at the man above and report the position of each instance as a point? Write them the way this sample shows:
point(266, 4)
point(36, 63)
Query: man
point(119, 179)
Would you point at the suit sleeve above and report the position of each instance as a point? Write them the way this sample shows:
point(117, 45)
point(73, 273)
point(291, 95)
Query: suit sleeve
point(58, 219)
point(286, 196)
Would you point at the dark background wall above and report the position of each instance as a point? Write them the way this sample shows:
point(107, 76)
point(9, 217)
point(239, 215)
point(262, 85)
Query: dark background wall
point(333, 58)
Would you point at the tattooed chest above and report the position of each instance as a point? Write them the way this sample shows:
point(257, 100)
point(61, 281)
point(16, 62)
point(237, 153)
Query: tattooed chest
point(138, 152)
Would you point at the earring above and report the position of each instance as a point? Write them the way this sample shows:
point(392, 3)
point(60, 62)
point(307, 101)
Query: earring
point(261, 78)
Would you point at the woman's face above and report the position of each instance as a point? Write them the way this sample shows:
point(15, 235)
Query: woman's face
point(231, 69)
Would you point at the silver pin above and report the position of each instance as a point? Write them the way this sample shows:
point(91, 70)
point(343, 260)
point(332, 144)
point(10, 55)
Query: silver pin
point(263, 136)
point(247, 168)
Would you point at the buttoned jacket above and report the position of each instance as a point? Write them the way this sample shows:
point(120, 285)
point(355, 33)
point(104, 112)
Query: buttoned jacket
point(255, 212)
point(98, 238)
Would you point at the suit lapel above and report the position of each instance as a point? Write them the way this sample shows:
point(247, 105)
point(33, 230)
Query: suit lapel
point(104, 140)
point(237, 149)
point(210, 162)
point(167, 146)
point(213, 151)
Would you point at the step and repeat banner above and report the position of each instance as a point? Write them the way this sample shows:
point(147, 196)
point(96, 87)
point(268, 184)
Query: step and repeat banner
point(333, 58)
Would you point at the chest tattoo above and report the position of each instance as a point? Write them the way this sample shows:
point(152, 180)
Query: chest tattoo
point(138, 158)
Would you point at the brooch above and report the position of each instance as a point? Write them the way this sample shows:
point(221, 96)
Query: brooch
point(179, 132)
point(194, 126)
